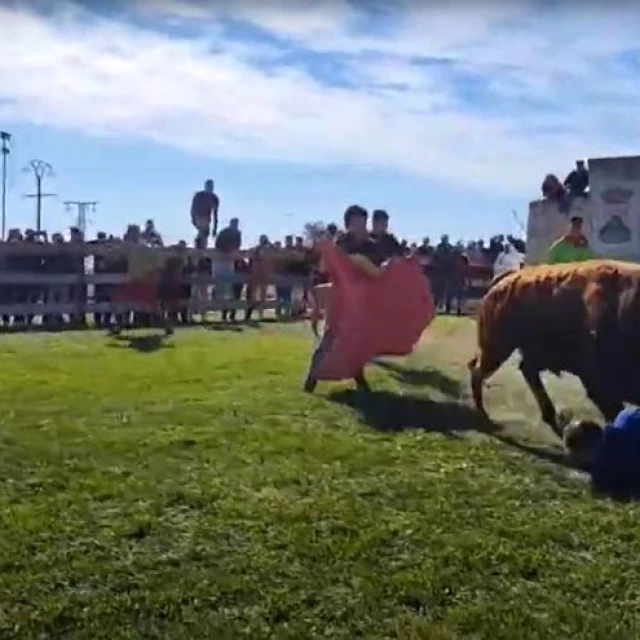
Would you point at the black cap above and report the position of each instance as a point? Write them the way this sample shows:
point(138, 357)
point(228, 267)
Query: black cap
point(380, 214)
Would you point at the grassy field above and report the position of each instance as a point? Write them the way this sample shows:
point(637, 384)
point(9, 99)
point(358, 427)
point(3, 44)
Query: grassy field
point(193, 491)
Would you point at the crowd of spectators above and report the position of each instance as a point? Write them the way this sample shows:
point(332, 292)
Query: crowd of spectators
point(452, 268)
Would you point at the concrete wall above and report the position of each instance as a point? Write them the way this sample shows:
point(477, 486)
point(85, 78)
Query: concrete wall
point(611, 213)
point(546, 224)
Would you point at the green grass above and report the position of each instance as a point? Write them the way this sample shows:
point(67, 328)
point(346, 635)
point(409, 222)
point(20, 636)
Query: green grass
point(195, 492)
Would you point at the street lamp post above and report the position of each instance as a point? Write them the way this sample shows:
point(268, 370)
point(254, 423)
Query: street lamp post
point(5, 138)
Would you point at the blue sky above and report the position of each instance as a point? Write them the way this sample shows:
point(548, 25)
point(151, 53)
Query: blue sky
point(448, 117)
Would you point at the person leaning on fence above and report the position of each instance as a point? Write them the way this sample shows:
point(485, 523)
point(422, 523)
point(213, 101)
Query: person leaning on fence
point(56, 264)
point(365, 255)
point(228, 243)
point(260, 269)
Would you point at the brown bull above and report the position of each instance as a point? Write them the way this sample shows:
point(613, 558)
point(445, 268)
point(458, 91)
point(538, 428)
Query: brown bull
point(581, 318)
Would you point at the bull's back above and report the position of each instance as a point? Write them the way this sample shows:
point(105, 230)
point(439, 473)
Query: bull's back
point(554, 299)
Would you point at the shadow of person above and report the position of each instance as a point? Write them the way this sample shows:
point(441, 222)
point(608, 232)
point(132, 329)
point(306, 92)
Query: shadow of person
point(430, 377)
point(221, 326)
point(391, 412)
point(143, 344)
point(553, 455)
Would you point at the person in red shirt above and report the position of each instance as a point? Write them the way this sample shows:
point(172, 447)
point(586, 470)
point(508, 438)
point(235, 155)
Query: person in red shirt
point(204, 211)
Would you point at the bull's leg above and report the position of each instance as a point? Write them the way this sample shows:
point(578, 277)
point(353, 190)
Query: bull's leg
point(603, 394)
point(531, 374)
point(482, 367)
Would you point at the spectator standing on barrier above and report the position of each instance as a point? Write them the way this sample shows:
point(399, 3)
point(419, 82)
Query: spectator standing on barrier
point(228, 243)
point(205, 207)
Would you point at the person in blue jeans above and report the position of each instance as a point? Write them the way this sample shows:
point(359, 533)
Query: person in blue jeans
point(610, 453)
point(365, 254)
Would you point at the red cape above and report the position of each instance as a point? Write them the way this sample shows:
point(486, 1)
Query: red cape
point(371, 317)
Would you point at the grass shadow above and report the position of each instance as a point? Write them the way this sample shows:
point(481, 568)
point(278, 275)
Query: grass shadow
point(390, 412)
point(555, 456)
point(224, 326)
point(430, 377)
point(142, 344)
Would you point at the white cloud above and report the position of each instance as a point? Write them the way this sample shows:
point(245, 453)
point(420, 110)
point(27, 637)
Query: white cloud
point(213, 94)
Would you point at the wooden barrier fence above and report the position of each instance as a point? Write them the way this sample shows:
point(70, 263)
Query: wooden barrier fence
point(37, 292)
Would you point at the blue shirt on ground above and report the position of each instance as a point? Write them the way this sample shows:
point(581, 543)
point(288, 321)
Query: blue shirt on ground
point(617, 466)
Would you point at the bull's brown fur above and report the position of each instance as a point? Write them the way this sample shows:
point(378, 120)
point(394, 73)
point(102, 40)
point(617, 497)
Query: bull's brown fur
point(582, 318)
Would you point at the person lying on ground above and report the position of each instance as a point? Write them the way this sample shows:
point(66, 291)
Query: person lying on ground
point(610, 453)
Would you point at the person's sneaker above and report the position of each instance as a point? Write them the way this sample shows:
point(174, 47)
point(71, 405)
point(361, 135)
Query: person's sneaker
point(310, 385)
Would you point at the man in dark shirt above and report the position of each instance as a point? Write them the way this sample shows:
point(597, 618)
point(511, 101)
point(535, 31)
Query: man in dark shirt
point(365, 254)
point(388, 245)
point(228, 243)
point(204, 210)
point(575, 186)
point(577, 181)
point(230, 238)
point(442, 270)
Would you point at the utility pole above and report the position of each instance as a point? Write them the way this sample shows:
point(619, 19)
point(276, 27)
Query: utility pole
point(40, 169)
point(5, 138)
point(82, 206)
